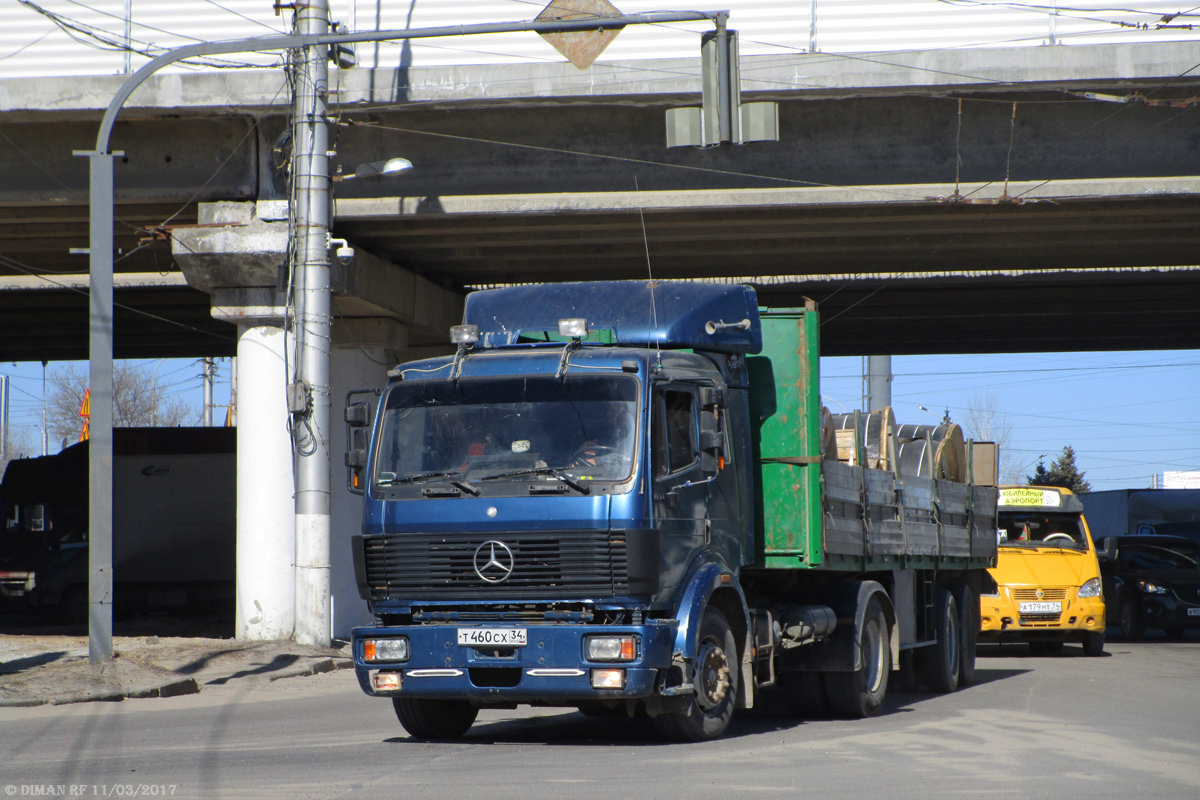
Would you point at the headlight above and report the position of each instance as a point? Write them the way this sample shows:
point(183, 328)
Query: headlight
point(385, 650)
point(611, 648)
point(1151, 588)
point(1090, 588)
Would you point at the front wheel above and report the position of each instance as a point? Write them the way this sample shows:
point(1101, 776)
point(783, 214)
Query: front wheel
point(858, 694)
point(706, 714)
point(435, 719)
point(1130, 620)
point(1093, 644)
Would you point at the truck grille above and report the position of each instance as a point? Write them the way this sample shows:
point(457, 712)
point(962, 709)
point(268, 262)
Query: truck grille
point(545, 564)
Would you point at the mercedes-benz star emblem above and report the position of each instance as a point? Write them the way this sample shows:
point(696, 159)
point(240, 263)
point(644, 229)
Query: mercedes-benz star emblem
point(494, 561)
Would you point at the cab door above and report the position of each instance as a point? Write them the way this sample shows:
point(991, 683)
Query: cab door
point(680, 499)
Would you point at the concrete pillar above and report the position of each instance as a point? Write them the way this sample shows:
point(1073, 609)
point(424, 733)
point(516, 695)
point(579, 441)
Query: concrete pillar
point(266, 530)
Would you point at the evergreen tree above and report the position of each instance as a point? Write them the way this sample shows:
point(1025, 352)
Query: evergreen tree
point(1062, 472)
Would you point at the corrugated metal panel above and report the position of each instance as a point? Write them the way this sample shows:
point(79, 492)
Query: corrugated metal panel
point(32, 45)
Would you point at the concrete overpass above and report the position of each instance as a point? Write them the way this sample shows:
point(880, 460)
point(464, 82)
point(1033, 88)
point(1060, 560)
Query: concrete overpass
point(547, 173)
point(979, 200)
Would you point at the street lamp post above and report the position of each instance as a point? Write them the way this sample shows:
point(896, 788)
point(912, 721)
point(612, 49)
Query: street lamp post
point(312, 37)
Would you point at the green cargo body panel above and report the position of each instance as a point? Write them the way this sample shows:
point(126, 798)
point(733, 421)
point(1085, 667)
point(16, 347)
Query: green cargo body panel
point(819, 513)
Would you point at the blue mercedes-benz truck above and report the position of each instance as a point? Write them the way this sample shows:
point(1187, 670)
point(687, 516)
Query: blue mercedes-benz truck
point(626, 496)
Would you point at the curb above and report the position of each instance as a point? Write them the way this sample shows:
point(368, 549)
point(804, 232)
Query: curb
point(22, 702)
point(313, 668)
point(173, 687)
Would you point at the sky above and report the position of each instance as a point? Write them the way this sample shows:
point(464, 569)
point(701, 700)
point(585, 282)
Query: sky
point(178, 377)
point(1128, 415)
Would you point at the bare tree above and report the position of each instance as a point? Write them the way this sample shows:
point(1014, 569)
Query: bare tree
point(19, 445)
point(139, 400)
point(985, 423)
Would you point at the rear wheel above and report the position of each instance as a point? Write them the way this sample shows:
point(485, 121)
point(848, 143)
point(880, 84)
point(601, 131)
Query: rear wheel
point(1173, 631)
point(939, 662)
point(858, 694)
point(435, 719)
point(968, 609)
point(705, 714)
point(1093, 644)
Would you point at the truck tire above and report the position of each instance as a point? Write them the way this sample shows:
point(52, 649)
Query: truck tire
point(705, 714)
point(858, 694)
point(1130, 621)
point(968, 609)
point(939, 662)
point(435, 719)
point(804, 693)
point(1093, 644)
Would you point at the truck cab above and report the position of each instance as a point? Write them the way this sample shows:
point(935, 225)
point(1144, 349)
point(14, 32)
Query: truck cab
point(551, 511)
point(1047, 577)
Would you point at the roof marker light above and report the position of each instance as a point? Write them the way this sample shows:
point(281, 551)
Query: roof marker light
point(464, 334)
point(575, 327)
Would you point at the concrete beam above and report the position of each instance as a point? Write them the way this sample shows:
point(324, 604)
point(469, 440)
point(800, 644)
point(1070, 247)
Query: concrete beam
point(818, 74)
point(121, 280)
point(372, 287)
point(235, 251)
point(358, 210)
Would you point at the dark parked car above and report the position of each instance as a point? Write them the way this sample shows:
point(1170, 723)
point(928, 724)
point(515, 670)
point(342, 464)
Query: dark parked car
point(1151, 582)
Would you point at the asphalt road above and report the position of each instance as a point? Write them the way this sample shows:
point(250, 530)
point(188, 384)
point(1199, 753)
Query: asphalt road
point(1064, 726)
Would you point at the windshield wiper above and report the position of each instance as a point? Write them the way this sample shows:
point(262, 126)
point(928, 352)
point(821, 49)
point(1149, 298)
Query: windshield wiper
point(450, 476)
point(558, 473)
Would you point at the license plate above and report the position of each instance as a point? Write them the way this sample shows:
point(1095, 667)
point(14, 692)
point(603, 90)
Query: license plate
point(1041, 608)
point(493, 637)
point(1193, 612)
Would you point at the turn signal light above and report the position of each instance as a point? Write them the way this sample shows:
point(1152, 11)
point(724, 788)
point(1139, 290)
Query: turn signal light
point(385, 649)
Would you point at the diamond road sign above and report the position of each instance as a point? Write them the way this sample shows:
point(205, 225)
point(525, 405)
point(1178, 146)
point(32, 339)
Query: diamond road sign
point(581, 48)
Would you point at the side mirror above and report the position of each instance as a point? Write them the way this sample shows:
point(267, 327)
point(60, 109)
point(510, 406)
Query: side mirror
point(712, 397)
point(358, 415)
point(358, 420)
point(356, 460)
point(712, 443)
point(1107, 551)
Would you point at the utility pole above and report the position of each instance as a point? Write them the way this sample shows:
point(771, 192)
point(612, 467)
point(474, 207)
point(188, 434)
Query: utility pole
point(309, 400)
point(877, 382)
point(3, 417)
point(209, 370)
point(45, 430)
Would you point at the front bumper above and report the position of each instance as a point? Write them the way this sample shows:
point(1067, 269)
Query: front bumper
point(1167, 611)
point(551, 669)
point(1001, 619)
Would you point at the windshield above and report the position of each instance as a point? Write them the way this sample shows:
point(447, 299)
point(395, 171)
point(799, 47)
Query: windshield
point(1139, 556)
point(1040, 528)
point(581, 428)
